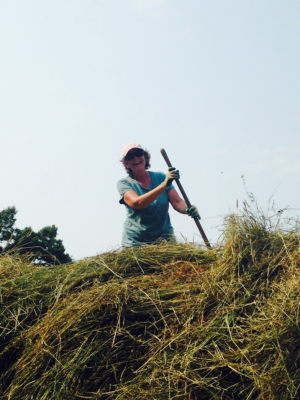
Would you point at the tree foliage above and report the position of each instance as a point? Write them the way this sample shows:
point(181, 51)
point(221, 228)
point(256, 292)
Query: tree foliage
point(7, 221)
point(43, 246)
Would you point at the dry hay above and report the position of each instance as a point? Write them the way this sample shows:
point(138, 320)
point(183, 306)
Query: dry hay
point(157, 322)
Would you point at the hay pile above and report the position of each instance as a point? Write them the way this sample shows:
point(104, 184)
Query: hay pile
point(157, 322)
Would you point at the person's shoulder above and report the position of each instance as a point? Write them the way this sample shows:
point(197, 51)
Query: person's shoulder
point(124, 181)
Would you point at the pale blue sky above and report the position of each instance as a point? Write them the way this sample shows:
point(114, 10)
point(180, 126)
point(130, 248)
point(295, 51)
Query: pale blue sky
point(215, 82)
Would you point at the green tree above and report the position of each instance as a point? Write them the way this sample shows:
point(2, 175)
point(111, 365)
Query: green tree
point(43, 246)
point(7, 221)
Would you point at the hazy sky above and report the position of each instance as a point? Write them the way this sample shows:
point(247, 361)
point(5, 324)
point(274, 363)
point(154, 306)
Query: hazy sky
point(214, 82)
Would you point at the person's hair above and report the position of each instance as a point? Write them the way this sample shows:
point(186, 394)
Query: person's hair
point(147, 164)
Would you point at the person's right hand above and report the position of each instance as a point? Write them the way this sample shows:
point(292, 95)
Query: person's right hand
point(172, 174)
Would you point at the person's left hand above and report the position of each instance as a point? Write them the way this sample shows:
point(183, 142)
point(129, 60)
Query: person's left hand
point(193, 212)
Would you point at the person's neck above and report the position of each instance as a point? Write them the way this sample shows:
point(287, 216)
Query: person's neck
point(140, 176)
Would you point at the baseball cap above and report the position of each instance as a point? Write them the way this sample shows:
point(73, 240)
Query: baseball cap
point(131, 146)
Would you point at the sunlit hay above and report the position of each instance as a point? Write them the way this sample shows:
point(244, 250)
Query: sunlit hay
point(27, 291)
point(160, 322)
point(13, 266)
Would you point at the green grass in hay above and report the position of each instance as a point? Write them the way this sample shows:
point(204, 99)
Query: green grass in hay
point(158, 322)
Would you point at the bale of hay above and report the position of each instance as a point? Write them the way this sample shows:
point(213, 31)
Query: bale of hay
point(158, 322)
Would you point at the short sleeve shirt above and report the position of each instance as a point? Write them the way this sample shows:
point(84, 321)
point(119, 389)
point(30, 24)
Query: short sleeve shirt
point(152, 222)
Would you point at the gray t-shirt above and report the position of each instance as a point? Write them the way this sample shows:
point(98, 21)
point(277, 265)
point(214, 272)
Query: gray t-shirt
point(151, 223)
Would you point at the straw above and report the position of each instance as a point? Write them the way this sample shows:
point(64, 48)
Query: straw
point(164, 321)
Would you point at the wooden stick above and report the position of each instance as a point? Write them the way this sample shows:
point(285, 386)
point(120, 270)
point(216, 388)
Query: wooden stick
point(165, 156)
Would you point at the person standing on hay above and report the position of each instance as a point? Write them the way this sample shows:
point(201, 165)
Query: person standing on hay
point(146, 196)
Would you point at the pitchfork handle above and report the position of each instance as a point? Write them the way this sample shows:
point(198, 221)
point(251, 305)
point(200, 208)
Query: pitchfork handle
point(165, 156)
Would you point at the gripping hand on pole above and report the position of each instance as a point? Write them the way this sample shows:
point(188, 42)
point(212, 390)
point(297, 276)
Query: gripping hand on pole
point(172, 174)
point(191, 210)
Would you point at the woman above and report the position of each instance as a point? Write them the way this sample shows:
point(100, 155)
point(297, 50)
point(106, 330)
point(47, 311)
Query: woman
point(147, 195)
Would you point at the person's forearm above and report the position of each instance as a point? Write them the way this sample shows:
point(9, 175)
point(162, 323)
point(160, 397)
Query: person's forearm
point(146, 199)
point(180, 207)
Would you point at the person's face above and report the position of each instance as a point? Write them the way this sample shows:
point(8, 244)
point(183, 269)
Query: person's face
point(138, 162)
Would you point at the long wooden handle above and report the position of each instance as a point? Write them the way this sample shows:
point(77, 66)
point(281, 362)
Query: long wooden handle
point(165, 156)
